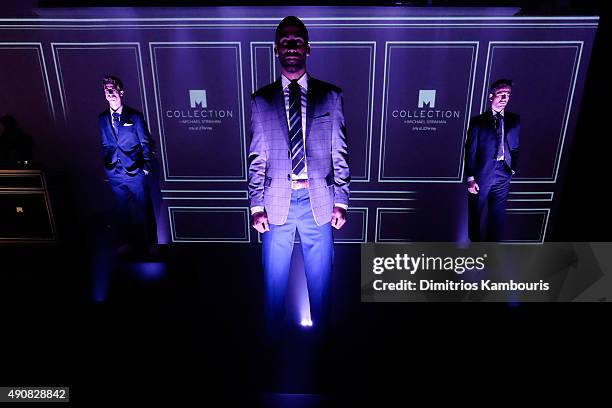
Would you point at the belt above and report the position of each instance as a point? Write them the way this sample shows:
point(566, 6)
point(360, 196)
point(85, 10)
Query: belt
point(299, 184)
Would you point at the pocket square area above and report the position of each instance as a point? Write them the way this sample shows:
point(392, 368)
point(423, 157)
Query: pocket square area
point(128, 124)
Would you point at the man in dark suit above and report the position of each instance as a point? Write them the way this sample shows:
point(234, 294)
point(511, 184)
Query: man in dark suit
point(491, 159)
point(126, 152)
point(298, 174)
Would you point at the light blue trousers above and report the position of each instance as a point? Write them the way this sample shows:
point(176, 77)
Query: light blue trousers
point(318, 251)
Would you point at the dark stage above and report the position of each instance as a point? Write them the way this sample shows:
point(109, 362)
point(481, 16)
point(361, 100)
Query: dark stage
point(194, 333)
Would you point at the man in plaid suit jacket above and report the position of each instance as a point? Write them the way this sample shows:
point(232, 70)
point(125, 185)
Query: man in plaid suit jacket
point(298, 174)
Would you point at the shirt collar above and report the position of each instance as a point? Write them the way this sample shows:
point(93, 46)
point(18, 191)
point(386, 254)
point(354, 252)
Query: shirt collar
point(119, 111)
point(303, 81)
point(494, 112)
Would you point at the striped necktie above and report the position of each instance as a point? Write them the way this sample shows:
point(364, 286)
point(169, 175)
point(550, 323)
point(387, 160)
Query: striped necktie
point(296, 138)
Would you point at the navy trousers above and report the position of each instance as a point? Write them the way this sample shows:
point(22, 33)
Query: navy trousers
point(134, 209)
point(492, 197)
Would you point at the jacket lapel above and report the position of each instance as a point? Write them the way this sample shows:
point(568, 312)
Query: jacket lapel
point(109, 126)
point(125, 115)
point(508, 123)
point(491, 119)
point(279, 101)
point(310, 104)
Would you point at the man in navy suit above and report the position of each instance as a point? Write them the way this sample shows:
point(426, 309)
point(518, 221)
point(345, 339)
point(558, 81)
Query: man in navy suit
point(127, 155)
point(491, 159)
point(298, 175)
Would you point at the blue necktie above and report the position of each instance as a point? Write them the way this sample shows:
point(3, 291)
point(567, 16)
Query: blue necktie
point(296, 139)
point(116, 118)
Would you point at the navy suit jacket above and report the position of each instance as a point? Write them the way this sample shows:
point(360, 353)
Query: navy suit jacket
point(481, 145)
point(131, 146)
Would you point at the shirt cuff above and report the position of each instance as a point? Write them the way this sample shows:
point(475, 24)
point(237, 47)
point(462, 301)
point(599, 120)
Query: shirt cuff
point(471, 178)
point(341, 205)
point(256, 209)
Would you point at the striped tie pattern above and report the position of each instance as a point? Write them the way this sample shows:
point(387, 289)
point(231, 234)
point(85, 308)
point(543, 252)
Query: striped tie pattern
point(296, 139)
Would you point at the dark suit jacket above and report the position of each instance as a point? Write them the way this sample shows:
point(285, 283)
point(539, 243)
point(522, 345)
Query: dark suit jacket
point(326, 151)
point(131, 146)
point(481, 145)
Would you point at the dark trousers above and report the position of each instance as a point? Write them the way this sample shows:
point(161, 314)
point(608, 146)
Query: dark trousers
point(134, 209)
point(492, 197)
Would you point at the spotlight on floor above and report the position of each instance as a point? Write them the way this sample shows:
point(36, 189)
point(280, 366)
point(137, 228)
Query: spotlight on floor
point(306, 323)
point(148, 271)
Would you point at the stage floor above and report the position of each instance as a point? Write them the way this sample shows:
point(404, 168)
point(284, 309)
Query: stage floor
point(190, 327)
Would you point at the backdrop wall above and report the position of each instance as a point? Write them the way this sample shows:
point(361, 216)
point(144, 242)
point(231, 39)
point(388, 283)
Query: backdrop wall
point(410, 84)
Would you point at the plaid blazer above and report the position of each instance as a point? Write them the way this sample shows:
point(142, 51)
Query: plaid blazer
point(326, 151)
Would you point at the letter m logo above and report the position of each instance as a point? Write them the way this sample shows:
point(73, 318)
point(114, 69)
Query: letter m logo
point(427, 98)
point(197, 97)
